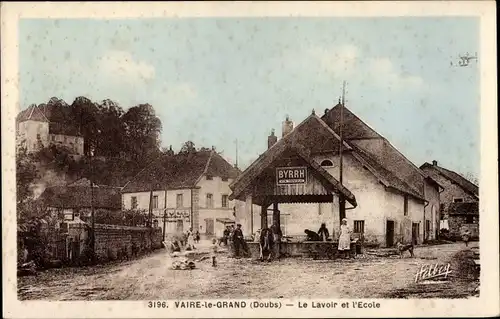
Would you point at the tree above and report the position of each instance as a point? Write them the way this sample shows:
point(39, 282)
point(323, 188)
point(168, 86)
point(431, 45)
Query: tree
point(84, 115)
point(187, 147)
point(26, 175)
point(143, 130)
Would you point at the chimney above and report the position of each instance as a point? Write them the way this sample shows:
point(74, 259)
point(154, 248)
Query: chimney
point(434, 163)
point(271, 139)
point(287, 126)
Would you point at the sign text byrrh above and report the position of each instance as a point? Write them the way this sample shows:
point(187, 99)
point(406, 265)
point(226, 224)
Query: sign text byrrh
point(291, 175)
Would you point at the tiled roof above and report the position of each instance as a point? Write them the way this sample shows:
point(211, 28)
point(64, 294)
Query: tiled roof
point(81, 197)
point(303, 141)
point(397, 171)
point(383, 174)
point(354, 128)
point(58, 117)
point(180, 171)
point(464, 208)
point(454, 178)
point(32, 113)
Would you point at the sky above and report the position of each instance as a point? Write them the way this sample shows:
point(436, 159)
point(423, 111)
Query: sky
point(217, 80)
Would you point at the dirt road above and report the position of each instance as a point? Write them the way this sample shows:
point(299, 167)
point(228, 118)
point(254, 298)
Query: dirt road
point(150, 278)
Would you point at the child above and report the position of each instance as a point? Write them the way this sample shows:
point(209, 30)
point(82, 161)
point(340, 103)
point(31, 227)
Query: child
point(213, 252)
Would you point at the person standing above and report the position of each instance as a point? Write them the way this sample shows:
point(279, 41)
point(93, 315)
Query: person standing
point(213, 252)
point(238, 240)
point(344, 238)
point(190, 240)
point(277, 234)
point(466, 237)
point(323, 232)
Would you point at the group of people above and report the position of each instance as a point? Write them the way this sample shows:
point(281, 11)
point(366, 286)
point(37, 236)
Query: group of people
point(344, 244)
point(187, 240)
point(233, 237)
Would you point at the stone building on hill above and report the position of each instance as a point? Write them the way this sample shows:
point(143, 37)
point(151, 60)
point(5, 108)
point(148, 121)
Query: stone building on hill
point(43, 125)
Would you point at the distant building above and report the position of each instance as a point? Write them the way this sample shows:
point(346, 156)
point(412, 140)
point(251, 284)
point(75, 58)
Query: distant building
point(459, 200)
point(191, 190)
point(388, 198)
point(41, 126)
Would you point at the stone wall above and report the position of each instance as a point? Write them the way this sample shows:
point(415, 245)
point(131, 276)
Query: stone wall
point(458, 223)
point(120, 242)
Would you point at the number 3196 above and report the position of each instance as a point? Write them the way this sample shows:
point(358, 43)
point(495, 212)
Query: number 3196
point(157, 304)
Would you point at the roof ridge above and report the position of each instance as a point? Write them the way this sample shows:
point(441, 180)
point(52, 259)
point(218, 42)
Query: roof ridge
point(404, 157)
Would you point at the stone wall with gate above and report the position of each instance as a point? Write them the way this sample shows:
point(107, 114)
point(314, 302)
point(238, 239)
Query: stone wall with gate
point(114, 242)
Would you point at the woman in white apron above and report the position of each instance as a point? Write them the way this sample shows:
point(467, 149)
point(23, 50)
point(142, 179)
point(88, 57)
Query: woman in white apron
point(344, 238)
point(190, 240)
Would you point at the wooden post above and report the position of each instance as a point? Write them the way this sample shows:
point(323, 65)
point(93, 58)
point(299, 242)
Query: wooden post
point(263, 216)
point(276, 215)
point(164, 224)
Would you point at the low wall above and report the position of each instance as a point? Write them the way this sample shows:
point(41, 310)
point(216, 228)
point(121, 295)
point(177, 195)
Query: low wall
point(120, 242)
point(303, 249)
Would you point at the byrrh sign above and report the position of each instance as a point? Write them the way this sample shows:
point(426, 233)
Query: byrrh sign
point(291, 175)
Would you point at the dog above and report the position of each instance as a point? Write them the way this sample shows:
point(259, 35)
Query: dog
point(402, 248)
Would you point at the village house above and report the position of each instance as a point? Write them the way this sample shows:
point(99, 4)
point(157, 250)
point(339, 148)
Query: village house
point(41, 126)
point(459, 208)
point(75, 201)
point(388, 198)
point(185, 190)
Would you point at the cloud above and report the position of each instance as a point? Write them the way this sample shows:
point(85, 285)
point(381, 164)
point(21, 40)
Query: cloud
point(122, 67)
point(343, 59)
point(385, 74)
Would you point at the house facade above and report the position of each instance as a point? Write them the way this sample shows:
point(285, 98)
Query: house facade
point(389, 199)
point(459, 207)
point(38, 126)
point(184, 191)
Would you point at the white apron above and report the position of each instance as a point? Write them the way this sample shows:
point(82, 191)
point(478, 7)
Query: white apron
point(345, 238)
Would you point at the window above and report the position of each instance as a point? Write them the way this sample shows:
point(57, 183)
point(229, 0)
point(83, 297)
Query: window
point(359, 226)
point(38, 137)
point(133, 202)
point(458, 200)
point(210, 201)
point(155, 202)
point(427, 226)
point(326, 163)
point(469, 219)
point(179, 201)
point(224, 201)
point(52, 137)
point(406, 205)
point(210, 177)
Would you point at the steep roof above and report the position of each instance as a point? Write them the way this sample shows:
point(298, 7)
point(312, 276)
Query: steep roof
point(454, 177)
point(464, 208)
point(397, 171)
point(354, 127)
point(81, 197)
point(303, 140)
point(180, 171)
point(32, 113)
point(386, 177)
point(58, 116)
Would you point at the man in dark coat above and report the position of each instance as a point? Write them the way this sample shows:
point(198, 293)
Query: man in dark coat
point(238, 240)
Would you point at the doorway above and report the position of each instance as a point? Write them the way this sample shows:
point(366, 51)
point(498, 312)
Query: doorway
point(415, 233)
point(389, 233)
point(209, 226)
point(180, 226)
